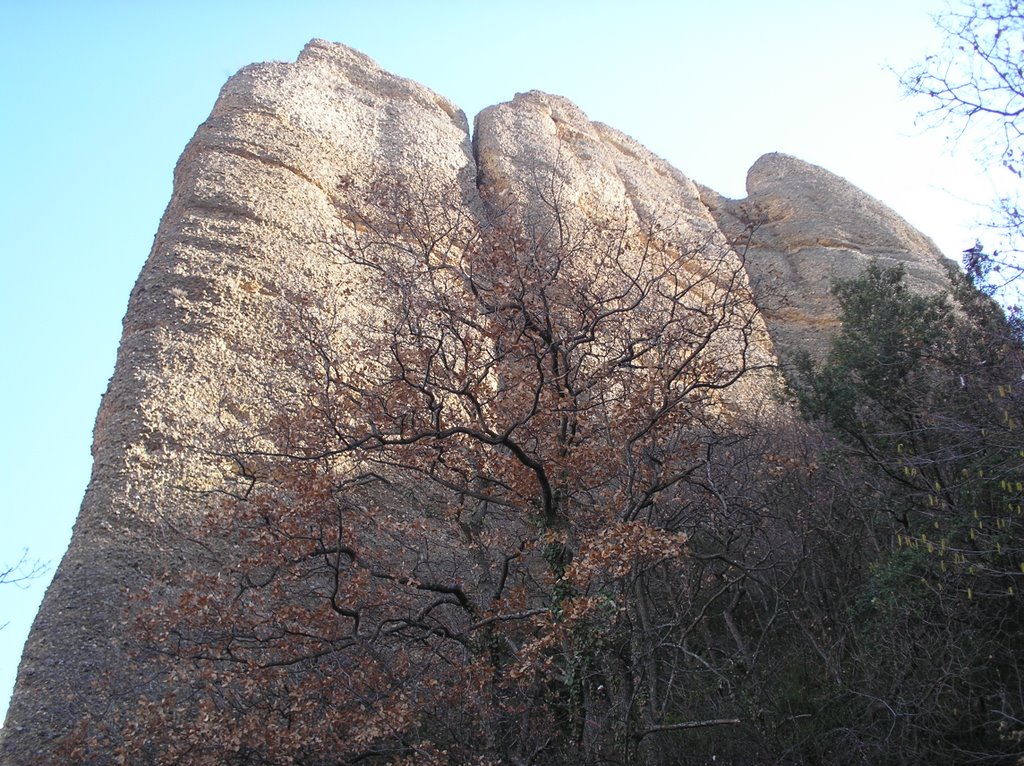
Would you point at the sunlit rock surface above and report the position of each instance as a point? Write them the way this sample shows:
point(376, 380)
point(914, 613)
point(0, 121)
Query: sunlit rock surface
point(813, 227)
point(246, 237)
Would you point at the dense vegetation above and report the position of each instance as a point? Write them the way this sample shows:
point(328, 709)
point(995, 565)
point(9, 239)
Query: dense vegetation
point(550, 517)
point(923, 397)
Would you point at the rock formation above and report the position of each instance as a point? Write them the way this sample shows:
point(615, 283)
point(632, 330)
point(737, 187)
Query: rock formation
point(596, 171)
point(247, 238)
point(246, 234)
point(813, 228)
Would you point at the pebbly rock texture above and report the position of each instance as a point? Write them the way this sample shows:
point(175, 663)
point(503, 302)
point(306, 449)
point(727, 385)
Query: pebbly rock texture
point(245, 240)
point(815, 227)
point(261, 193)
point(596, 168)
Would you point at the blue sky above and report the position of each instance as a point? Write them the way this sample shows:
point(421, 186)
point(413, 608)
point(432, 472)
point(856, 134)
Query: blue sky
point(99, 98)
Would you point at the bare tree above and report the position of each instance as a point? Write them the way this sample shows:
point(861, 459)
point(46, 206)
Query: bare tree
point(976, 84)
point(23, 570)
point(461, 538)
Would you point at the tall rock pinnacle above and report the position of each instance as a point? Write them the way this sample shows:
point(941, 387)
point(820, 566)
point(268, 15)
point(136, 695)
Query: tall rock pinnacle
point(246, 236)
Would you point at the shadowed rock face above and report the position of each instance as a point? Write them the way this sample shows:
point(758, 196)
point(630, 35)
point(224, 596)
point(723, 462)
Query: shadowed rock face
point(816, 227)
point(247, 239)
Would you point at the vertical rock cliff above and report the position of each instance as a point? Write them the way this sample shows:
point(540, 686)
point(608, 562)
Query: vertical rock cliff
point(246, 241)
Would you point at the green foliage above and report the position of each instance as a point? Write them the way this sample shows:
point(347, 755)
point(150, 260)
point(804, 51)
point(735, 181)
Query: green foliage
point(887, 333)
point(924, 394)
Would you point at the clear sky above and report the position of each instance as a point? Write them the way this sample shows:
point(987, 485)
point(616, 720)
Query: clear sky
point(99, 98)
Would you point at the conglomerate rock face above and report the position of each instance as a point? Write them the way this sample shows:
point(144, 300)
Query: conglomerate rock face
point(249, 239)
point(246, 237)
